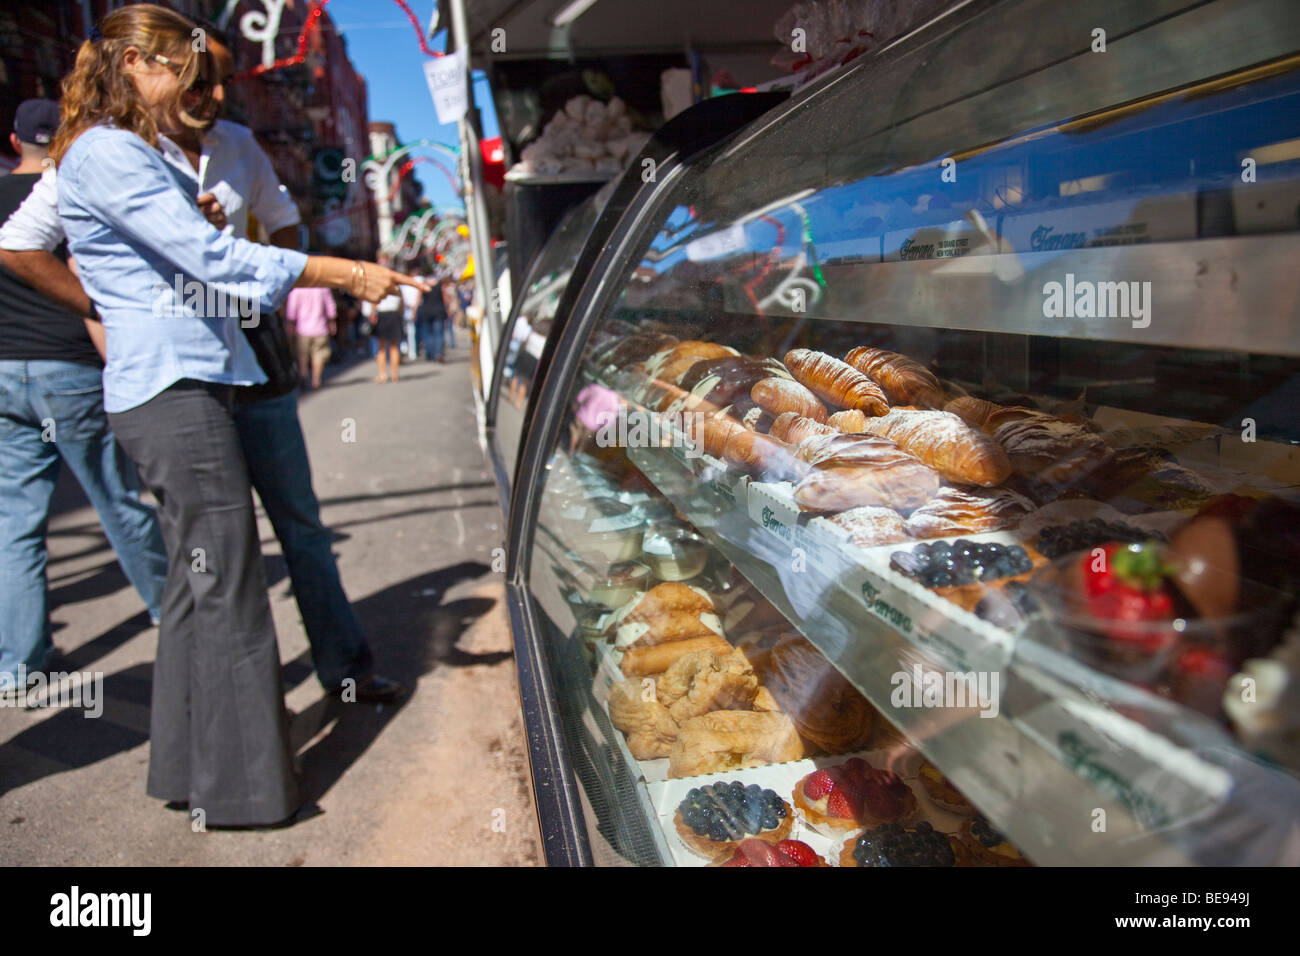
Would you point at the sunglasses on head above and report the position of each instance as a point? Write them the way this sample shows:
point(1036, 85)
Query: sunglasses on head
point(201, 86)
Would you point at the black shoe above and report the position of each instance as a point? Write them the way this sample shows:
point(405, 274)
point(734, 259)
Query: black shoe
point(375, 690)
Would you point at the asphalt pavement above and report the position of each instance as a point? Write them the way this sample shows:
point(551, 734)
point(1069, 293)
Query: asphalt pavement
point(440, 778)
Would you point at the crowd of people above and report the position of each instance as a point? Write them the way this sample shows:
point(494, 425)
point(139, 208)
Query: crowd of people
point(140, 344)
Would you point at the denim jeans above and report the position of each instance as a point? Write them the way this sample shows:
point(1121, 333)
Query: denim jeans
point(280, 471)
point(53, 412)
point(435, 343)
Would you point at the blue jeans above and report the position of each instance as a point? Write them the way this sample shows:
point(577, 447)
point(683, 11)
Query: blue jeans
point(278, 467)
point(435, 342)
point(53, 412)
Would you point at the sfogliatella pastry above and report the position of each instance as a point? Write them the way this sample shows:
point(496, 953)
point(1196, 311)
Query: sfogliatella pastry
point(851, 795)
point(906, 382)
point(850, 471)
point(794, 429)
point(871, 526)
point(714, 818)
point(942, 793)
point(827, 710)
point(646, 723)
point(894, 845)
point(1051, 450)
point(672, 362)
point(762, 455)
point(703, 681)
point(987, 846)
point(850, 421)
point(968, 511)
point(781, 395)
point(721, 381)
point(836, 382)
point(727, 740)
point(943, 441)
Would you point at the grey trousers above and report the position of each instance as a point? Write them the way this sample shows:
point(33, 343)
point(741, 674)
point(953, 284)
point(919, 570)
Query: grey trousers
point(218, 734)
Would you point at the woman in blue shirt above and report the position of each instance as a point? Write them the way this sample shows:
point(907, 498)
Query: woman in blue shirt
point(172, 291)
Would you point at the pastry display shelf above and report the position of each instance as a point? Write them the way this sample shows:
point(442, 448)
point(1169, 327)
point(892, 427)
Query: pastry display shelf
point(1053, 756)
point(1237, 293)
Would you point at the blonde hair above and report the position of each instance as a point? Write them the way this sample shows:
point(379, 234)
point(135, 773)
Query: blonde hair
point(99, 91)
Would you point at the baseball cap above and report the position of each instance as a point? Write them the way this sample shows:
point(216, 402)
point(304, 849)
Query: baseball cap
point(36, 121)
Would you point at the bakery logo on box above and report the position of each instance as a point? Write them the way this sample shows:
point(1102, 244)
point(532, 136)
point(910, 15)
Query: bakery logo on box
point(1085, 299)
point(922, 688)
point(193, 299)
point(641, 429)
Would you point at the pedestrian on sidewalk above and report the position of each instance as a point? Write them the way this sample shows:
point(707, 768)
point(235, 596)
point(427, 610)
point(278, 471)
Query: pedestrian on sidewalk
point(234, 167)
point(52, 412)
point(433, 316)
point(387, 319)
point(312, 313)
point(219, 737)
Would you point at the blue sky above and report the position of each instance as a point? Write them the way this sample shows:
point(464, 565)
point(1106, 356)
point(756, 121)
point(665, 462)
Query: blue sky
point(384, 49)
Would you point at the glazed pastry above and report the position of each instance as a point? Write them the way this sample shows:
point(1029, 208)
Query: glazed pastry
point(968, 511)
point(781, 395)
point(721, 381)
point(679, 353)
point(851, 471)
point(942, 793)
point(757, 852)
point(827, 710)
point(851, 795)
point(850, 421)
point(633, 349)
point(648, 726)
point(977, 413)
point(733, 740)
point(893, 844)
point(1049, 449)
point(944, 442)
point(987, 846)
point(714, 818)
point(870, 526)
point(761, 455)
point(644, 661)
point(905, 382)
point(702, 681)
point(794, 428)
point(712, 432)
point(836, 382)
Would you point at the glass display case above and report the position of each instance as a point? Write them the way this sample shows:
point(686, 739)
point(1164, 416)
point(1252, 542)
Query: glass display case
point(920, 483)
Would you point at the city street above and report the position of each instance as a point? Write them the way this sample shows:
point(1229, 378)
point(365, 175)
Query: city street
point(440, 779)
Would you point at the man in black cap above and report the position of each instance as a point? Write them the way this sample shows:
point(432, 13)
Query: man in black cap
point(52, 411)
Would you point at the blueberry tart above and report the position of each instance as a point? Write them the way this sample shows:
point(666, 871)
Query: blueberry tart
point(987, 846)
point(893, 844)
point(713, 819)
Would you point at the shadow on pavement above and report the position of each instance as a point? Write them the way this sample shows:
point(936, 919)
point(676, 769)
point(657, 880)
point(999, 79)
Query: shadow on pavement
point(69, 740)
point(411, 632)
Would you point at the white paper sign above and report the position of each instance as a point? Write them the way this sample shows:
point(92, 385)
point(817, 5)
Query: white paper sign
point(448, 86)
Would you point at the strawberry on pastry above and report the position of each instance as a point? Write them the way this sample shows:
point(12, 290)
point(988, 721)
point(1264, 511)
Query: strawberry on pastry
point(852, 795)
point(787, 853)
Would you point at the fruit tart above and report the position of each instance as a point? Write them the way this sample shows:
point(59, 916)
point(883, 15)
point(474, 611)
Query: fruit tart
point(713, 819)
point(851, 795)
point(755, 852)
point(892, 844)
point(988, 847)
point(941, 792)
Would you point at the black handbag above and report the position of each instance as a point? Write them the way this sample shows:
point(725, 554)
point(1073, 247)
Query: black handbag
point(271, 346)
